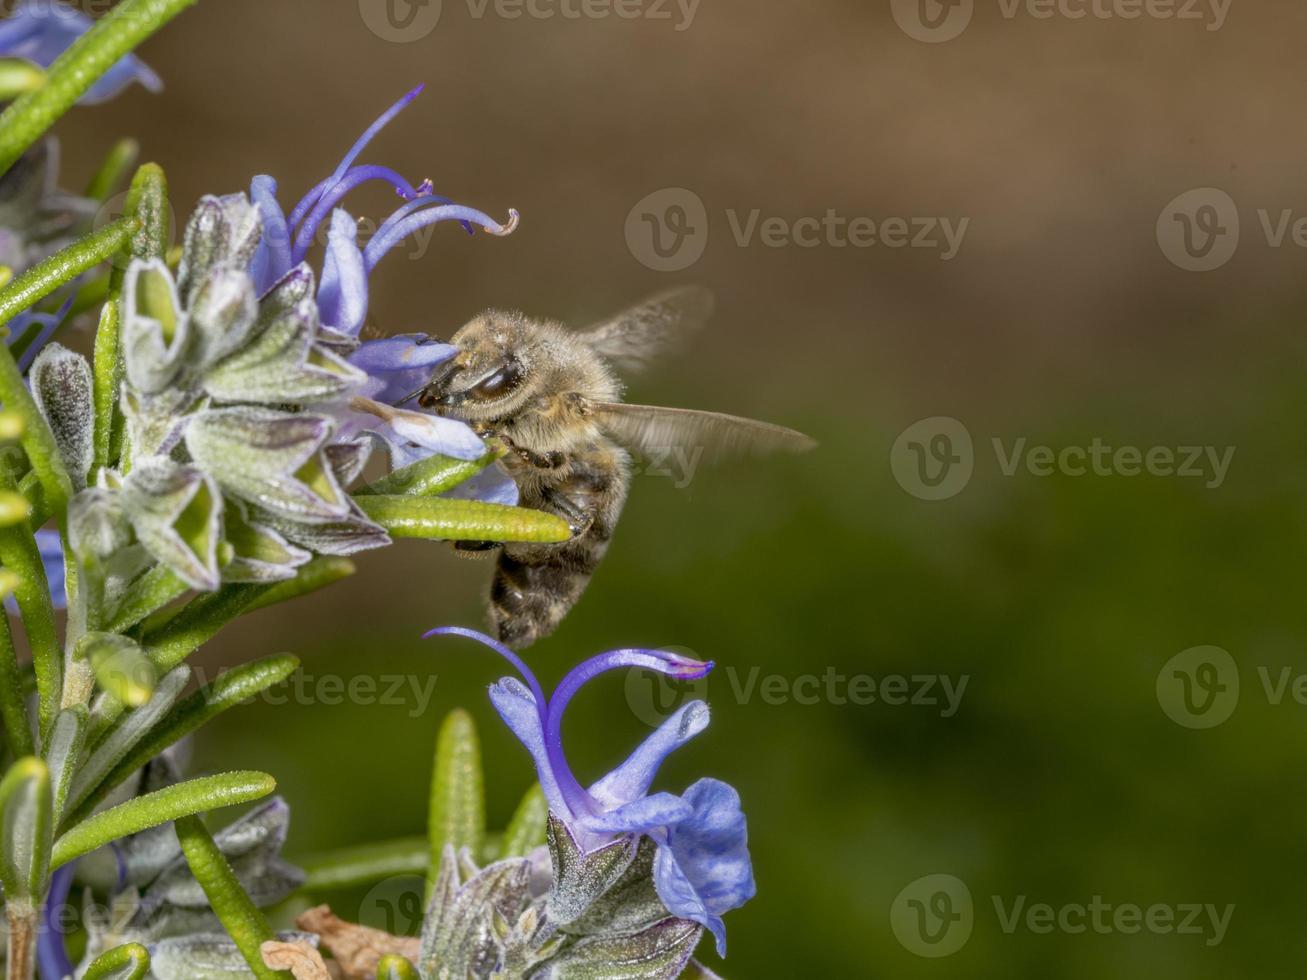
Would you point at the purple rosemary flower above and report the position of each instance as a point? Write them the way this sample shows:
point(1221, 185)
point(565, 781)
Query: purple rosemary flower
point(702, 868)
point(41, 30)
point(396, 366)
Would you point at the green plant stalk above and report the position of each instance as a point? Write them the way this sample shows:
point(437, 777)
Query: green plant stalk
point(131, 961)
point(235, 910)
point(19, 554)
point(444, 519)
point(428, 477)
point(366, 864)
point(22, 916)
point(115, 166)
point(152, 809)
point(146, 596)
point(227, 691)
point(457, 813)
point(314, 575)
point(197, 623)
point(78, 68)
point(183, 634)
point(30, 288)
point(13, 706)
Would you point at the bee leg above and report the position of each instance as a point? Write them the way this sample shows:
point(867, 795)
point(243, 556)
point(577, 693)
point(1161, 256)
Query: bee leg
point(541, 461)
point(474, 549)
point(578, 517)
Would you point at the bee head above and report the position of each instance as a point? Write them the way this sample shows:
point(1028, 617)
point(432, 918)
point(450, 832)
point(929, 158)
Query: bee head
point(491, 376)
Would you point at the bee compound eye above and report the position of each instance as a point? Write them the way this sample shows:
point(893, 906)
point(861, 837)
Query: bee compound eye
point(504, 379)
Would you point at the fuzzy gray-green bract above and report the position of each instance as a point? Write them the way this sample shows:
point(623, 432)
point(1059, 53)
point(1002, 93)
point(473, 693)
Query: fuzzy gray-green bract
point(233, 468)
point(560, 915)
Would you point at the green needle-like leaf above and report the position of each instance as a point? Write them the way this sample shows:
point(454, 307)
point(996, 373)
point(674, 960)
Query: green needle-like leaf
point(130, 961)
point(457, 812)
point(365, 864)
point(13, 705)
point(392, 967)
point(230, 689)
point(146, 596)
point(462, 520)
point(78, 68)
point(18, 554)
point(197, 623)
point(234, 908)
point(63, 753)
point(152, 809)
point(427, 477)
point(121, 158)
point(115, 743)
point(526, 830)
point(106, 372)
point(26, 804)
point(317, 574)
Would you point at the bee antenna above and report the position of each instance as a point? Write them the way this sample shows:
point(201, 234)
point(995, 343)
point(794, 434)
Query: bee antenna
point(409, 397)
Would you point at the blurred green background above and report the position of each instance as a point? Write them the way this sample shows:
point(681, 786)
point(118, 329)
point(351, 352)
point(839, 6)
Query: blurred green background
point(1060, 599)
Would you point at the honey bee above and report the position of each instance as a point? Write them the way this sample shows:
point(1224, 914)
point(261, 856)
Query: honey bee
point(551, 397)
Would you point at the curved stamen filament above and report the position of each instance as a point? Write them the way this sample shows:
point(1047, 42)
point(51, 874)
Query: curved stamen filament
point(408, 225)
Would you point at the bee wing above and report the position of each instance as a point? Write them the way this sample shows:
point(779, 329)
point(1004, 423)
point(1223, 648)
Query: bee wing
point(651, 429)
point(632, 339)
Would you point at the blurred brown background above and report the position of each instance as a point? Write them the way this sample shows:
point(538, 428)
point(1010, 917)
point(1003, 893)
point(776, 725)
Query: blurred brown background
point(1062, 141)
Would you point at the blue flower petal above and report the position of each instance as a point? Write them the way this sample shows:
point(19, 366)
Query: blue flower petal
point(491, 486)
point(632, 778)
point(703, 869)
point(41, 31)
point(272, 259)
point(51, 550)
point(650, 813)
point(403, 363)
point(517, 706)
point(343, 292)
point(417, 435)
